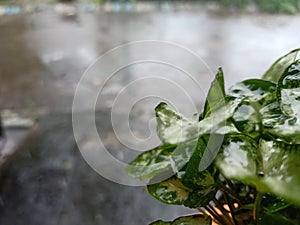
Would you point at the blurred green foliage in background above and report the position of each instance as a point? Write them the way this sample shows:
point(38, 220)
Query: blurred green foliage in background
point(269, 6)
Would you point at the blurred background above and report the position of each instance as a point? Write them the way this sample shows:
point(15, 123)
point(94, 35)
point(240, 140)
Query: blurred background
point(46, 47)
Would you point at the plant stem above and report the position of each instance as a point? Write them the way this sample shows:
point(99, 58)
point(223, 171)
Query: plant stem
point(223, 210)
point(230, 207)
point(210, 214)
point(216, 216)
point(219, 206)
point(257, 206)
point(224, 216)
point(229, 190)
point(230, 184)
point(233, 194)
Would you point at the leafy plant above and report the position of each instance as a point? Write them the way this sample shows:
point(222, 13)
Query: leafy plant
point(238, 162)
point(279, 6)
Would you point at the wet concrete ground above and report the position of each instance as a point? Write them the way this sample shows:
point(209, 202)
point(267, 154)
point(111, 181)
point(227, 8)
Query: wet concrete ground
point(48, 182)
point(42, 58)
point(44, 55)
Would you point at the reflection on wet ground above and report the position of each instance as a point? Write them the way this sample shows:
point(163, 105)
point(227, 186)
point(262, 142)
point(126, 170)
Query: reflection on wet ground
point(48, 182)
point(42, 58)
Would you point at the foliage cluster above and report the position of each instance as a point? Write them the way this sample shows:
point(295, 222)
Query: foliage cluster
point(238, 162)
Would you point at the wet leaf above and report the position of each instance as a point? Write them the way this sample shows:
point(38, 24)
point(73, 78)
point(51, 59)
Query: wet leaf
point(170, 191)
point(281, 164)
point(281, 118)
point(195, 176)
point(218, 117)
point(170, 125)
point(275, 71)
point(201, 181)
point(247, 120)
point(187, 220)
point(256, 94)
point(253, 90)
point(292, 213)
point(286, 130)
point(216, 95)
point(289, 91)
point(200, 197)
point(272, 115)
point(273, 204)
point(279, 125)
point(182, 155)
point(239, 158)
point(277, 218)
point(151, 163)
point(227, 128)
point(277, 173)
point(174, 128)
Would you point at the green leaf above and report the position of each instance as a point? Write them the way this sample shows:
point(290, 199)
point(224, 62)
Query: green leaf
point(218, 117)
point(200, 181)
point(227, 128)
point(173, 127)
point(253, 90)
point(200, 197)
point(151, 163)
point(275, 71)
point(285, 129)
point(279, 125)
point(239, 159)
point(247, 120)
point(170, 124)
point(272, 115)
point(184, 151)
point(196, 175)
point(256, 94)
point(292, 213)
point(282, 118)
point(281, 169)
point(187, 220)
point(182, 155)
point(200, 185)
point(216, 95)
point(289, 91)
point(273, 204)
point(274, 218)
point(277, 173)
point(170, 191)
